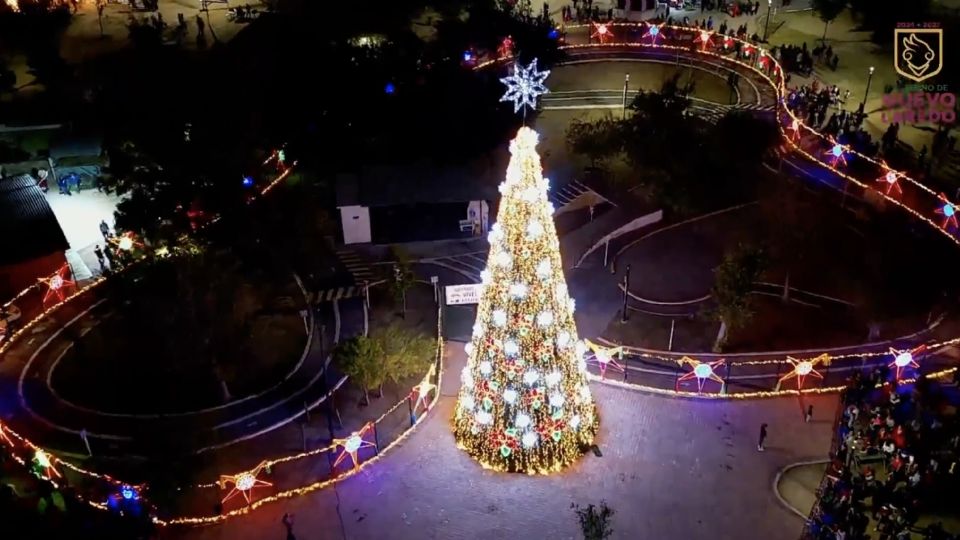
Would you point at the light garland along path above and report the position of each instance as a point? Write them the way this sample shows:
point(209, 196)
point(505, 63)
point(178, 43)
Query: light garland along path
point(912, 196)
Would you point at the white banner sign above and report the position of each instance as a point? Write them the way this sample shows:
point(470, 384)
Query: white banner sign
point(463, 294)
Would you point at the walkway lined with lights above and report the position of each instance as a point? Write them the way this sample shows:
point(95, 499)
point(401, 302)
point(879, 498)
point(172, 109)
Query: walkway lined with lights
point(663, 467)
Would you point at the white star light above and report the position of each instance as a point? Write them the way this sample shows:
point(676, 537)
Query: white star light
point(525, 85)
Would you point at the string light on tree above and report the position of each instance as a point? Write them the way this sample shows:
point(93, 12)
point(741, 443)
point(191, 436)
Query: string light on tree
point(126, 242)
point(601, 32)
point(794, 129)
point(525, 86)
point(902, 359)
point(243, 483)
point(57, 284)
point(949, 212)
point(353, 444)
point(701, 370)
point(803, 368)
point(605, 357)
point(525, 404)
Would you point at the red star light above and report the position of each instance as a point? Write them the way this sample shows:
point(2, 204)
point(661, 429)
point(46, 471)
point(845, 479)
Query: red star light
point(803, 368)
point(890, 178)
point(948, 211)
point(3, 436)
point(352, 444)
point(601, 32)
point(703, 39)
point(701, 370)
point(605, 357)
point(653, 32)
point(836, 154)
point(905, 358)
point(505, 50)
point(57, 284)
point(243, 483)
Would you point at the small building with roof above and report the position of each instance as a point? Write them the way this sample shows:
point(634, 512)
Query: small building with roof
point(384, 205)
point(32, 244)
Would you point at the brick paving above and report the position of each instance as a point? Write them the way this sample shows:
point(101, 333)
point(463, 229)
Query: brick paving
point(670, 468)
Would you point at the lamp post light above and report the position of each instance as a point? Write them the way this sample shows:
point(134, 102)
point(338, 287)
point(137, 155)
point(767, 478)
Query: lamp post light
point(766, 26)
point(626, 87)
point(863, 104)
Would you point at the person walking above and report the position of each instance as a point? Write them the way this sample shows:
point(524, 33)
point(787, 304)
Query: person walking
point(108, 253)
point(104, 229)
point(809, 415)
point(288, 523)
point(763, 437)
point(99, 253)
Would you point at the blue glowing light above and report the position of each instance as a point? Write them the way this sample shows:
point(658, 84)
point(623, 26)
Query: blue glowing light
point(654, 30)
point(949, 210)
point(703, 370)
point(128, 493)
point(389, 88)
point(247, 181)
point(467, 56)
point(837, 150)
point(553, 34)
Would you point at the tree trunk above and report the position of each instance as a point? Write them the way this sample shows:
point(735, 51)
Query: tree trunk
point(721, 337)
point(225, 391)
point(826, 24)
point(403, 304)
point(380, 391)
point(786, 288)
point(366, 397)
point(100, 20)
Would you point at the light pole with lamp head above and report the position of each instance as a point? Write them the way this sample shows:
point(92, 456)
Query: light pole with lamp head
point(766, 26)
point(863, 104)
point(626, 86)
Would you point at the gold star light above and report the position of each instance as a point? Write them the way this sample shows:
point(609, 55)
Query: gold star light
point(802, 368)
point(243, 483)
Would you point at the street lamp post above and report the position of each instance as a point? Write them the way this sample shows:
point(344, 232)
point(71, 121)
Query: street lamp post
point(766, 26)
point(626, 87)
point(863, 104)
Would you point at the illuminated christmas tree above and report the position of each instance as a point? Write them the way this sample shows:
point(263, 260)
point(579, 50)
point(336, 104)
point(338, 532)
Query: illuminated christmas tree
point(524, 404)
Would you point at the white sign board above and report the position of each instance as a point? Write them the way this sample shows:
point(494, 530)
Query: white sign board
point(463, 294)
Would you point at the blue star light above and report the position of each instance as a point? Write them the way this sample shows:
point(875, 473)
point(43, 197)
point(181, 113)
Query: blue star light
point(525, 85)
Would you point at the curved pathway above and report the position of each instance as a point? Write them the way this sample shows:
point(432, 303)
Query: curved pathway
point(32, 406)
point(670, 468)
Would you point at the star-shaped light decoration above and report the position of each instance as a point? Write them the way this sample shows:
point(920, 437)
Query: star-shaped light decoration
point(653, 32)
point(57, 284)
point(352, 444)
point(601, 32)
point(243, 483)
point(803, 368)
point(505, 50)
point(905, 358)
point(126, 241)
point(704, 39)
point(949, 212)
point(890, 178)
point(794, 129)
point(836, 154)
point(422, 390)
point(605, 357)
point(3, 435)
point(44, 462)
point(700, 370)
point(525, 86)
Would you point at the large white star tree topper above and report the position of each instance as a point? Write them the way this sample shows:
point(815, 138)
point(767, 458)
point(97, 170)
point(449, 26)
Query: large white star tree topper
point(525, 86)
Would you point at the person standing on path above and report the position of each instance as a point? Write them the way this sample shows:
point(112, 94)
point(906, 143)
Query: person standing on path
point(104, 229)
point(763, 437)
point(288, 523)
point(809, 415)
point(99, 253)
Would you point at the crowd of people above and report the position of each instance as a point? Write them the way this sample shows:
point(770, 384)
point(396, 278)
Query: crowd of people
point(896, 458)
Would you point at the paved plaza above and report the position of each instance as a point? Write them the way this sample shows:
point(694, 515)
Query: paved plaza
point(671, 468)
